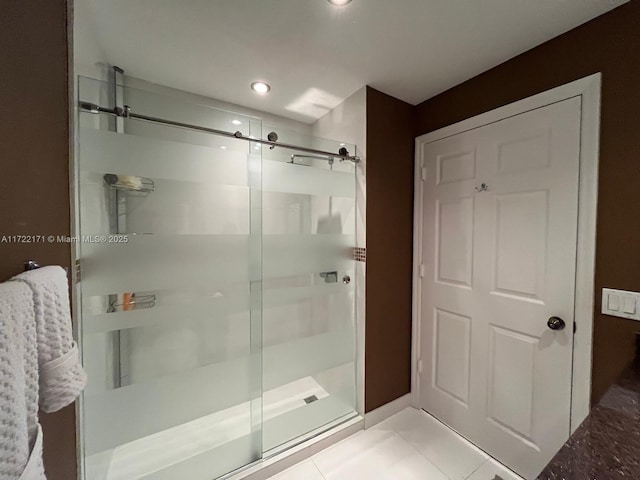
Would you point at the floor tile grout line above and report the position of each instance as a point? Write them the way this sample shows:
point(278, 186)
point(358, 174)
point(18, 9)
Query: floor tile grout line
point(391, 428)
point(465, 440)
point(317, 468)
point(479, 467)
point(400, 437)
point(431, 462)
point(335, 446)
point(422, 412)
point(472, 445)
point(406, 440)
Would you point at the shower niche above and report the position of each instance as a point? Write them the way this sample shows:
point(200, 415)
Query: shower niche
point(216, 324)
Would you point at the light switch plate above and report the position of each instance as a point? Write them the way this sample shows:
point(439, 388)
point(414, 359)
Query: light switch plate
point(620, 303)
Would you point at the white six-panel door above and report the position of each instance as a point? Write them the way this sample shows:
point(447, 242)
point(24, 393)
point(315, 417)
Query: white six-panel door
point(499, 253)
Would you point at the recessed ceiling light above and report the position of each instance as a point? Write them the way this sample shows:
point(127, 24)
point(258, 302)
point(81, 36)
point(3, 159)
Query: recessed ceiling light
point(260, 87)
point(236, 122)
point(223, 147)
point(339, 3)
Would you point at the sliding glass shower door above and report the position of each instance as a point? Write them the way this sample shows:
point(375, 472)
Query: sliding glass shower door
point(308, 226)
point(216, 289)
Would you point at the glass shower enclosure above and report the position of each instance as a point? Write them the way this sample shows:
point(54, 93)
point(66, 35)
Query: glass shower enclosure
point(217, 287)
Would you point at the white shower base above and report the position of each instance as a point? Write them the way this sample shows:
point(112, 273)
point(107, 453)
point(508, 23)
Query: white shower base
point(154, 456)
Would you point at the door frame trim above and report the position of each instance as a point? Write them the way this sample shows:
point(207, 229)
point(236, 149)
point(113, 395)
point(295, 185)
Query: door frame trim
point(589, 89)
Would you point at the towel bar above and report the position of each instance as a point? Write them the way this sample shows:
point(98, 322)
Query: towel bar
point(31, 265)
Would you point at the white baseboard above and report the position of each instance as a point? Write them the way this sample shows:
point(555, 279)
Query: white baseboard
point(385, 411)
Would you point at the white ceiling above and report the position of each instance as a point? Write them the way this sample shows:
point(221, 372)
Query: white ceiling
point(315, 55)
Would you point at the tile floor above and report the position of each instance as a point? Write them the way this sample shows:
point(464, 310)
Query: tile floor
point(411, 445)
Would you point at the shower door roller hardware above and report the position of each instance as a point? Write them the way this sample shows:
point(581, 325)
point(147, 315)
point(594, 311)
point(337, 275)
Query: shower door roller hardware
point(482, 188)
point(556, 323)
point(346, 279)
point(329, 277)
point(272, 137)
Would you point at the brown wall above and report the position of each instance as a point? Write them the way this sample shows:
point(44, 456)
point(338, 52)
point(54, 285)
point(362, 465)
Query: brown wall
point(609, 44)
point(389, 248)
point(34, 185)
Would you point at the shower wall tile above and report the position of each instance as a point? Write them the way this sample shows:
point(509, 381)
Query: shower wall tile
point(360, 254)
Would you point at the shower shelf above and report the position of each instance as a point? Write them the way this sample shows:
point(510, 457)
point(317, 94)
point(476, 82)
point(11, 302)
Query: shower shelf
point(136, 303)
point(146, 185)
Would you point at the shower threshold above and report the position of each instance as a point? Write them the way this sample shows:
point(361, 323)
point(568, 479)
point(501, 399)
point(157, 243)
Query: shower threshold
point(283, 457)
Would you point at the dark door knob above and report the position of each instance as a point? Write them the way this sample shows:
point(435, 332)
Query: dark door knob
point(556, 323)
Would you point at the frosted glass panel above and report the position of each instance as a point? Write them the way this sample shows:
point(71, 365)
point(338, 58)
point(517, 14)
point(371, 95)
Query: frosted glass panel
point(130, 154)
point(135, 411)
point(170, 292)
point(290, 178)
point(149, 262)
point(308, 316)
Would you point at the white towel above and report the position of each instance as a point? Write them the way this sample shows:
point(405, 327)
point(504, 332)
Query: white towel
point(18, 382)
point(61, 375)
point(39, 366)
